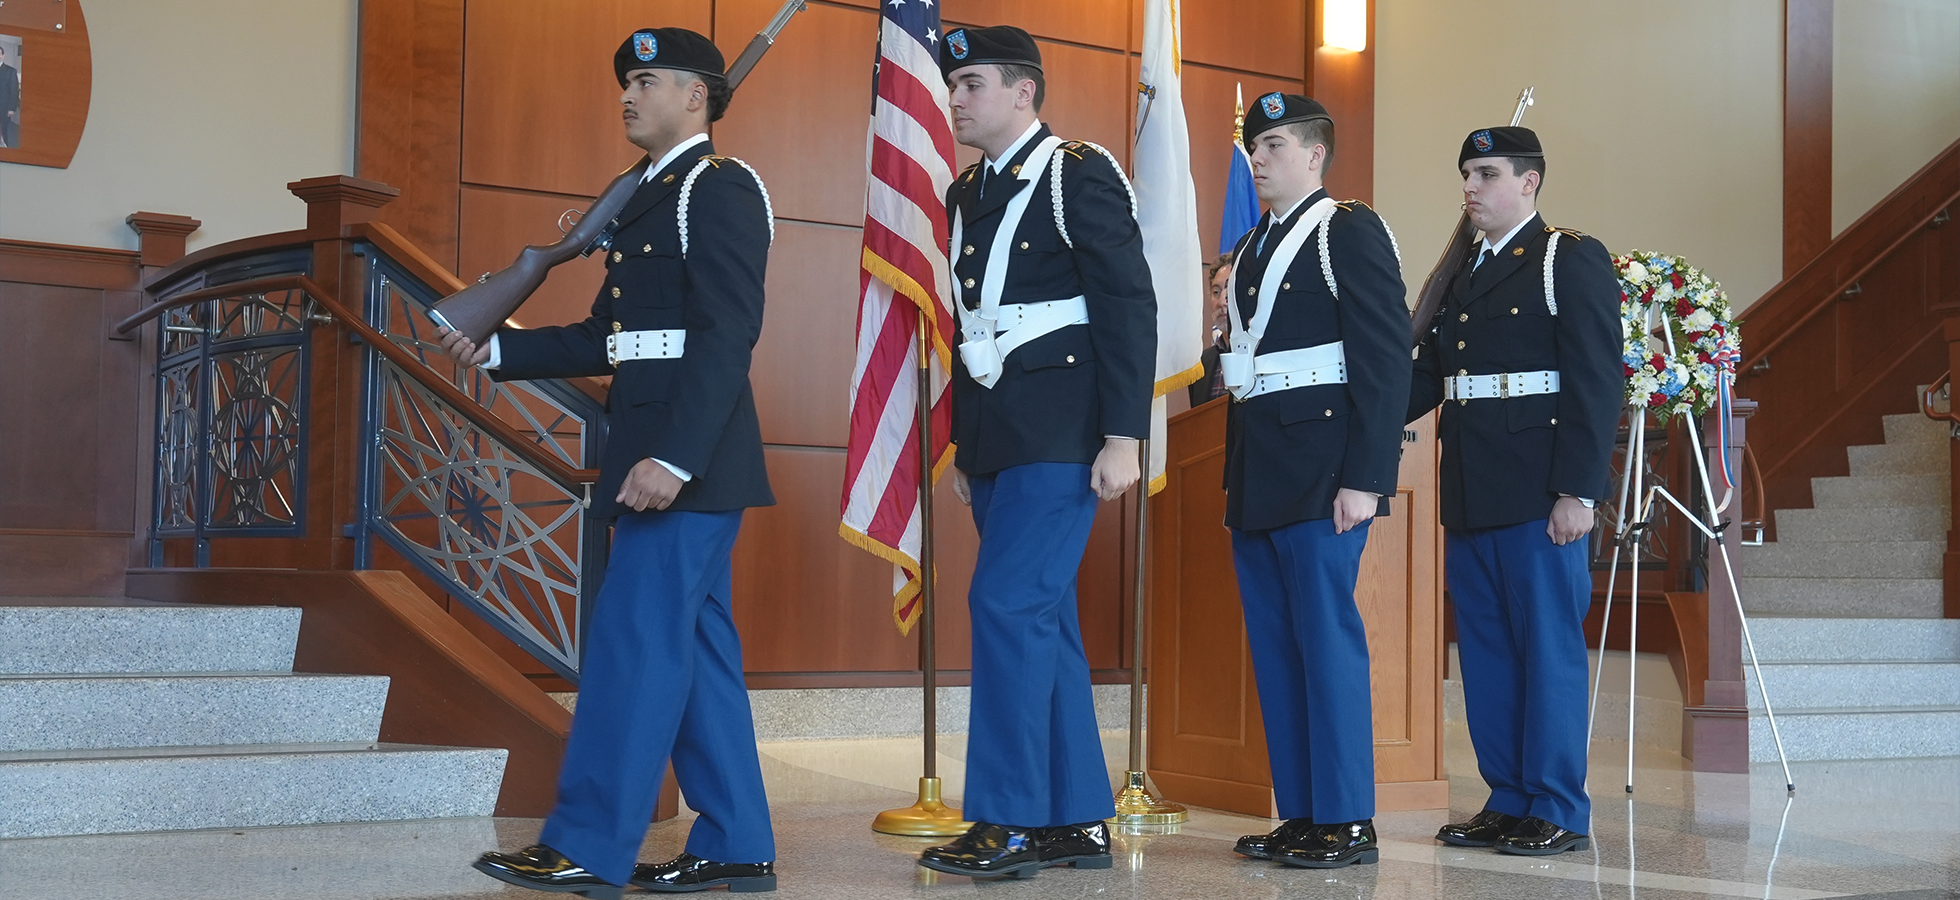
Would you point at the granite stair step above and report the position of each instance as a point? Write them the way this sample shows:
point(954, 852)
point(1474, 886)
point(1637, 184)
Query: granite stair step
point(1843, 559)
point(1851, 523)
point(1879, 491)
point(1794, 639)
point(128, 711)
point(104, 639)
point(1913, 427)
point(1883, 598)
point(1910, 458)
point(116, 791)
point(1835, 684)
point(1887, 733)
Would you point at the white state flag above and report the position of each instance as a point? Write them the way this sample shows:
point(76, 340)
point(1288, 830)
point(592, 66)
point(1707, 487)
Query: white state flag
point(1167, 212)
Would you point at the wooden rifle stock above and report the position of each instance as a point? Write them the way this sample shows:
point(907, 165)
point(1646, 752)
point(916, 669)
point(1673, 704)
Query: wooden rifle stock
point(478, 309)
point(1456, 252)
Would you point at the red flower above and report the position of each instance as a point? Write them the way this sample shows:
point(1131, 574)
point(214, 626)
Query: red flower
point(1677, 279)
point(1683, 308)
point(1658, 362)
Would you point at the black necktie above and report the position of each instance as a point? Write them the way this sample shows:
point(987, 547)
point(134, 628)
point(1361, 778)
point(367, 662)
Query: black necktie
point(1488, 253)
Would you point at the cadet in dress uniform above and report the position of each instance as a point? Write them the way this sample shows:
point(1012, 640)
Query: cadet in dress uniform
point(1524, 357)
point(674, 324)
point(1319, 375)
point(1050, 395)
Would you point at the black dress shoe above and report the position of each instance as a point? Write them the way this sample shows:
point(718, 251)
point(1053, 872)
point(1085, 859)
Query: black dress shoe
point(988, 851)
point(541, 868)
point(688, 872)
point(1084, 846)
point(1333, 846)
point(1263, 846)
point(1536, 837)
point(1482, 830)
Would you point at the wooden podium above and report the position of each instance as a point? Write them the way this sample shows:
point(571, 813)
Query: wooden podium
point(1207, 741)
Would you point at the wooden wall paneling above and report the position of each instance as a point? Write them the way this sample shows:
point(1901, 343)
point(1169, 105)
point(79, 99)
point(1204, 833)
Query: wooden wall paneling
point(498, 222)
point(1807, 94)
point(540, 104)
point(802, 366)
point(1105, 587)
point(1267, 37)
point(411, 108)
point(801, 116)
point(805, 600)
point(51, 359)
point(1092, 23)
point(56, 80)
point(1209, 96)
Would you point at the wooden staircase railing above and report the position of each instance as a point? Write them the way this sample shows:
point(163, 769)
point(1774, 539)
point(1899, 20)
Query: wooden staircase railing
point(1929, 403)
point(1846, 339)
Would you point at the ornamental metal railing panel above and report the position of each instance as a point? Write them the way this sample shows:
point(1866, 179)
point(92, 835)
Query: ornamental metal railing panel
point(512, 539)
point(231, 417)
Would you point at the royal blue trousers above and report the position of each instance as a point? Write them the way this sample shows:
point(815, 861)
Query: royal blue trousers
point(1034, 755)
point(1520, 607)
point(662, 680)
point(1310, 656)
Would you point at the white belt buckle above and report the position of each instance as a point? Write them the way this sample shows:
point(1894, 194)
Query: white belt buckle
point(1504, 386)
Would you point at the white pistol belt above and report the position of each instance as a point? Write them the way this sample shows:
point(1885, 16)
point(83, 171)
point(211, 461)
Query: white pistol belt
point(1288, 369)
point(627, 345)
point(1018, 324)
point(1465, 388)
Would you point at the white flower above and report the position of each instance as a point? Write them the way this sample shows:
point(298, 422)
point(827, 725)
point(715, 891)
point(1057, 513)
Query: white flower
point(1636, 272)
point(1663, 293)
point(1700, 320)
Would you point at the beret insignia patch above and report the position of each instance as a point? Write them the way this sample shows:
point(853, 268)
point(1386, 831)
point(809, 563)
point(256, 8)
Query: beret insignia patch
point(646, 46)
point(956, 42)
point(1273, 104)
point(1482, 140)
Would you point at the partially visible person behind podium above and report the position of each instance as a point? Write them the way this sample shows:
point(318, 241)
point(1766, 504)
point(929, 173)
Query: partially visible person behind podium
point(1218, 328)
point(675, 324)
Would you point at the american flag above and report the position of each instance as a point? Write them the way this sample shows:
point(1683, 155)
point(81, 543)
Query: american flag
point(903, 272)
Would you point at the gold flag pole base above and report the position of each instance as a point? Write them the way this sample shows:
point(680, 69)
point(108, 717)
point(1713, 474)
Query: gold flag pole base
point(1135, 805)
point(926, 818)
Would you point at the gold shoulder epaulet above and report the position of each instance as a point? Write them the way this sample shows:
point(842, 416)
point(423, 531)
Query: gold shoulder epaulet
point(1352, 205)
point(713, 159)
point(1570, 232)
point(967, 175)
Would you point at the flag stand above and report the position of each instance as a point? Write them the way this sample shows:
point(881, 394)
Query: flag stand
point(1135, 804)
point(929, 817)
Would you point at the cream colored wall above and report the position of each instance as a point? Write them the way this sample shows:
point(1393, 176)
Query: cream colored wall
point(204, 108)
point(1895, 74)
point(1662, 121)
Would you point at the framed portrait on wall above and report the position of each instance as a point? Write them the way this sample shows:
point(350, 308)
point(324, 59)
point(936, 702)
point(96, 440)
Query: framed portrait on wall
point(45, 81)
point(10, 91)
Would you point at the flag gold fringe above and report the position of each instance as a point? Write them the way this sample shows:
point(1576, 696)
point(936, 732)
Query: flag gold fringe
point(897, 557)
point(904, 284)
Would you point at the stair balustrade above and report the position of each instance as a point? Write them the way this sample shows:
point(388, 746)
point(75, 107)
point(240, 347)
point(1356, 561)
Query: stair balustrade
point(1940, 393)
point(303, 426)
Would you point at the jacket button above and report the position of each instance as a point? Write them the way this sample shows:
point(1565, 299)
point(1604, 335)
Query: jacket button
point(1286, 285)
point(1517, 251)
point(617, 256)
point(1514, 310)
point(1071, 358)
point(647, 249)
point(667, 180)
point(615, 293)
point(1459, 345)
point(1251, 290)
point(1555, 420)
point(1461, 372)
point(1024, 245)
point(1014, 170)
point(968, 250)
point(1463, 317)
point(1328, 413)
point(968, 282)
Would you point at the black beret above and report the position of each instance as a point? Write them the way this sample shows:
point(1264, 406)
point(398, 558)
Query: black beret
point(667, 48)
point(995, 46)
point(1505, 140)
point(1276, 109)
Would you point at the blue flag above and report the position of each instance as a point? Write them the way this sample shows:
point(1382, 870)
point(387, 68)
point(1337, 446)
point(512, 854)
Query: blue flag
point(1241, 202)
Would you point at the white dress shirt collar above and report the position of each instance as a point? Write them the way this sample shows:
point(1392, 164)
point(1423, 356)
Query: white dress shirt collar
point(1493, 248)
point(998, 165)
point(672, 155)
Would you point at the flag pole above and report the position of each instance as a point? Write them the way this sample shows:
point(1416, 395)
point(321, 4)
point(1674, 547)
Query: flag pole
point(929, 817)
point(1135, 805)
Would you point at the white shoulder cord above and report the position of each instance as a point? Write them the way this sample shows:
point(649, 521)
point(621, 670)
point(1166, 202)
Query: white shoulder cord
point(1551, 249)
point(1055, 187)
point(687, 195)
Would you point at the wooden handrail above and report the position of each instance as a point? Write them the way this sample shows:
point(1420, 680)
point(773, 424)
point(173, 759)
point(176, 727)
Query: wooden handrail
point(1931, 191)
point(241, 247)
point(1926, 400)
point(470, 408)
point(408, 256)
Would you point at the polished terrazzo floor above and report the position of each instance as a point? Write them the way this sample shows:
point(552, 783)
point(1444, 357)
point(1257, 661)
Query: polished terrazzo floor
point(1867, 829)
